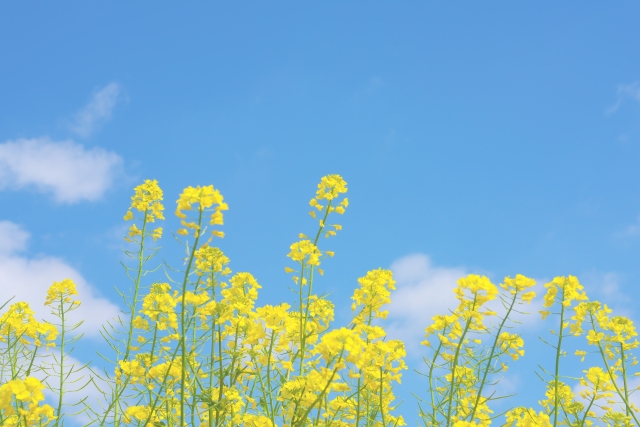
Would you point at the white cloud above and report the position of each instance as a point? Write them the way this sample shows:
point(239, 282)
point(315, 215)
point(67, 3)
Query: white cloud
point(97, 111)
point(634, 399)
point(80, 384)
point(423, 291)
point(66, 169)
point(626, 91)
point(28, 280)
point(631, 231)
point(12, 238)
point(77, 385)
point(606, 288)
point(608, 285)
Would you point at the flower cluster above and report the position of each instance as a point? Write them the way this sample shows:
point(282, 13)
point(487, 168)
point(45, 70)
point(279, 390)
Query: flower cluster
point(62, 292)
point(460, 367)
point(20, 403)
point(148, 200)
point(195, 348)
point(205, 197)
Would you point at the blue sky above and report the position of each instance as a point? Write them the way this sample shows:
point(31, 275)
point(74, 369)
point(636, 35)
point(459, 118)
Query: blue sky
point(496, 138)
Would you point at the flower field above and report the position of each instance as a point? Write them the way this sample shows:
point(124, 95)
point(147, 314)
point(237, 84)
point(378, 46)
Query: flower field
point(197, 350)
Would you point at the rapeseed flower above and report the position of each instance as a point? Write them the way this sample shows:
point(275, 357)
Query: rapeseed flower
point(205, 198)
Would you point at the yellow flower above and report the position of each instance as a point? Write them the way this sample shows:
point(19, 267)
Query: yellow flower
point(28, 394)
point(527, 297)
point(480, 287)
point(570, 290)
point(523, 417)
point(242, 293)
point(134, 231)
point(210, 260)
point(305, 251)
point(593, 337)
point(147, 199)
point(157, 233)
point(61, 292)
point(159, 305)
point(205, 197)
point(519, 284)
point(512, 344)
point(19, 321)
point(274, 317)
point(374, 292)
point(330, 187)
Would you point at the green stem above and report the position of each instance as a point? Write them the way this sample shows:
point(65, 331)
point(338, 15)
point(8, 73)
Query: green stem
point(434, 415)
point(624, 375)
point(136, 288)
point(384, 424)
point(62, 342)
point(270, 394)
point(493, 349)
point(556, 376)
point(584, 418)
point(114, 404)
point(183, 371)
point(220, 376)
point(613, 380)
point(455, 363)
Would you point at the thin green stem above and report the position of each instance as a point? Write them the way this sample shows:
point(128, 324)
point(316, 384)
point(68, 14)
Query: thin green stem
point(455, 363)
point(556, 377)
point(624, 376)
point(62, 342)
point(384, 424)
point(493, 349)
point(611, 376)
point(183, 369)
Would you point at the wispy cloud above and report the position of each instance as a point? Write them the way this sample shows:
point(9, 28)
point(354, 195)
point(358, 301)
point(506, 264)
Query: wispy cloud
point(13, 238)
point(608, 288)
point(614, 402)
point(65, 169)
point(632, 230)
point(625, 91)
point(27, 279)
point(423, 290)
point(97, 111)
point(78, 389)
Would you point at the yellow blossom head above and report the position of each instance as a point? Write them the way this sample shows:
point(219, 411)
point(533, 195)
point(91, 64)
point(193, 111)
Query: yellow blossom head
point(329, 190)
point(568, 288)
point(373, 293)
point(147, 199)
point(305, 252)
point(62, 292)
point(480, 288)
point(205, 198)
point(520, 285)
point(211, 261)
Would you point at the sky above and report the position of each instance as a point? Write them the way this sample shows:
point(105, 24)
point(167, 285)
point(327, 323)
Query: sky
point(496, 138)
